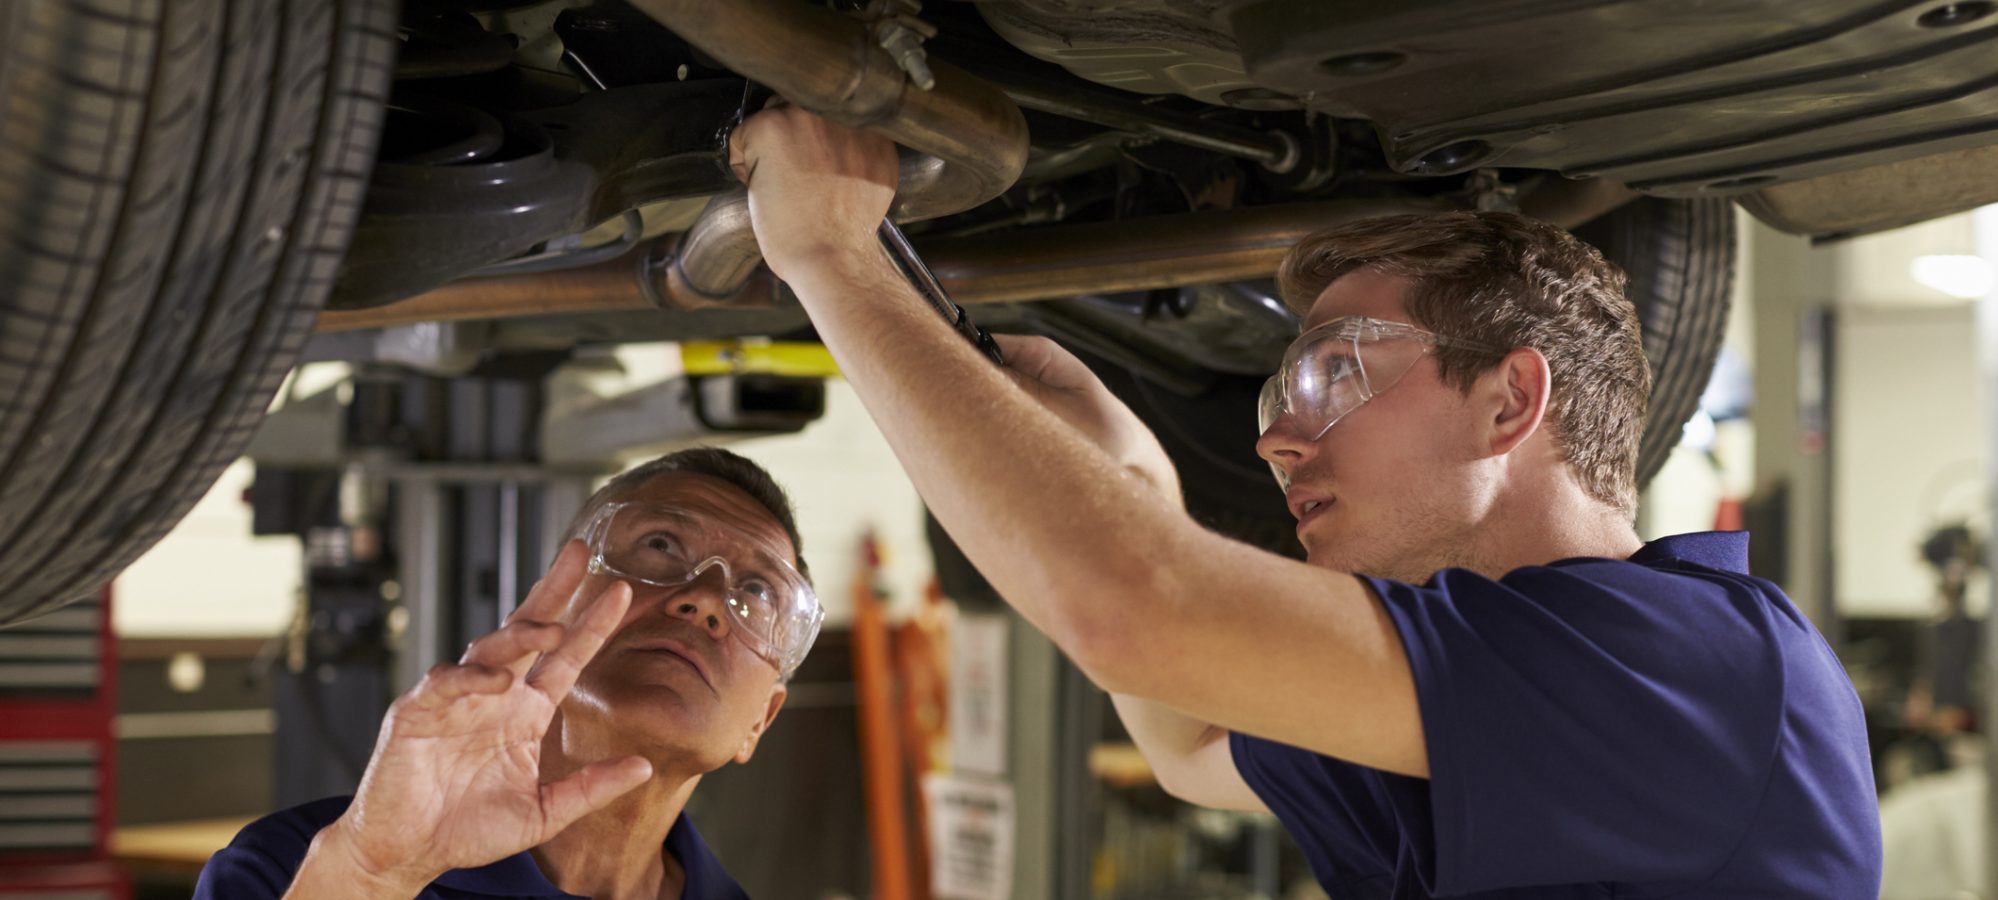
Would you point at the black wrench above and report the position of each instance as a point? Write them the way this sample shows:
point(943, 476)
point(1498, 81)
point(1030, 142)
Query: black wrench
point(925, 282)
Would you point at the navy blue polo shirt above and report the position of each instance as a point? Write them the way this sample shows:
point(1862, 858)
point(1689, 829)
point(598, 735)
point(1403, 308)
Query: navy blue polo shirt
point(264, 857)
point(1666, 725)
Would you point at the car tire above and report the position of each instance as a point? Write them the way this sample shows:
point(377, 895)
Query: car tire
point(1680, 258)
point(178, 183)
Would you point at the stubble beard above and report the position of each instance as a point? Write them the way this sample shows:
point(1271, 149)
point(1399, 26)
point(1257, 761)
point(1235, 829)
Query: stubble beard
point(1407, 552)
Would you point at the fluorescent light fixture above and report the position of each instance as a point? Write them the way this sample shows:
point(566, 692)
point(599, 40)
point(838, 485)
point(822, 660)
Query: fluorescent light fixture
point(1968, 277)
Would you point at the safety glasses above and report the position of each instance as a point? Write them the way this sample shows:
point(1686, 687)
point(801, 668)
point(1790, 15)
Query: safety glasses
point(1337, 367)
point(770, 605)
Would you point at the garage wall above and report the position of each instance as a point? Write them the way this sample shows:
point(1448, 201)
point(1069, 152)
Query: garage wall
point(1911, 423)
point(1909, 435)
point(209, 577)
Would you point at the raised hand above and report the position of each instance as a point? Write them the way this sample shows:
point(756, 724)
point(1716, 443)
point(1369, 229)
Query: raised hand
point(455, 780)
point(817, 189)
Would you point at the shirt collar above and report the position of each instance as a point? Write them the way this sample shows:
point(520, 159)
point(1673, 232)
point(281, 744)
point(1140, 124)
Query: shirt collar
point(1726, 551)
point(518, 875)
point(706, 879)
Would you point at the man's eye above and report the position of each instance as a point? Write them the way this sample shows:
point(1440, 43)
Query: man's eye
point(660, 543)
point(1333, 368)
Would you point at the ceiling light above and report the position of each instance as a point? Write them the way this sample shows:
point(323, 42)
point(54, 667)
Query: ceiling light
point(1968, 277)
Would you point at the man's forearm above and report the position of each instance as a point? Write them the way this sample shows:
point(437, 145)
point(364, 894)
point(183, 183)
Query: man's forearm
point(1189, 757)
point(1165, 735)
point(1042, 511)
point(1158, 725)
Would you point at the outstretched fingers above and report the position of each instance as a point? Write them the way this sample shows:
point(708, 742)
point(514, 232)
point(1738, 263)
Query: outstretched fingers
point(446, 683)
point(515, 645)
point(557, 671)
point(549, 598)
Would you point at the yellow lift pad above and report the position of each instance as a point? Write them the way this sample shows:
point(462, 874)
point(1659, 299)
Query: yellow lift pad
point(801, 359)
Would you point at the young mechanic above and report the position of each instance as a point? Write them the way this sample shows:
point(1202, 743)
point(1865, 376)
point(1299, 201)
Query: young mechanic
point(1481, 683)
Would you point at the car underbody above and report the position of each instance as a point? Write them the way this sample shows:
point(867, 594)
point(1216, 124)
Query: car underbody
point(433, 183)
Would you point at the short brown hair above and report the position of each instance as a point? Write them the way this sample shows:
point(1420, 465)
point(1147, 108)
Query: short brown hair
point(1509, 282)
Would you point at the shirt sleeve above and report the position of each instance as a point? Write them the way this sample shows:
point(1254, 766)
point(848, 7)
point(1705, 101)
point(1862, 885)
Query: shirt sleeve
point(264, 857)
point(1336, 811)
point(1595, 721)
point(234, 872)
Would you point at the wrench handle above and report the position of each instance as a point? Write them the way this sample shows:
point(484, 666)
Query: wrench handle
point(926, 283)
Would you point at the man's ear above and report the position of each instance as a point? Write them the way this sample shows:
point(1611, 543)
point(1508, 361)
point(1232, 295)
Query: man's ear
point(748, 749)
point(1519, 388)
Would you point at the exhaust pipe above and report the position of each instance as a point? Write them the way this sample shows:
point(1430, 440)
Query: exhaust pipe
point(970, 140)
point(1032, 264)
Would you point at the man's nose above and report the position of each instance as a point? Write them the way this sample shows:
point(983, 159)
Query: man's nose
point(704, 601)
point(1284, 446)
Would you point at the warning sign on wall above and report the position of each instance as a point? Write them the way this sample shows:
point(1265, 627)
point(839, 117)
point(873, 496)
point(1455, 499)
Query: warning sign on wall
point(971, 837)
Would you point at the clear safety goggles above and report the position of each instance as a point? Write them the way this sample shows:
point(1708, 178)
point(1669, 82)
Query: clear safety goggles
point(770, 605)
point(1336, 367)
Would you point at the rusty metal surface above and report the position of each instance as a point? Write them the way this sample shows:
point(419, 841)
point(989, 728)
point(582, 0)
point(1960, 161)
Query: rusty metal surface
point(1101, 257)
point(1880, 197)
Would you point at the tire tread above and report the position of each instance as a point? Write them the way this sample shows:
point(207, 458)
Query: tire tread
point(180, 314)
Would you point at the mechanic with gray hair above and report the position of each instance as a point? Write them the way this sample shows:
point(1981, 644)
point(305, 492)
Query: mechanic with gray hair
point(556, 758)
point(1481, 683)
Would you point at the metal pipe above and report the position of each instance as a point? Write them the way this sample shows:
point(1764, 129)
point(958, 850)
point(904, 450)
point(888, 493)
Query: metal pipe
point(827, 62)
point(1274, 150)
point(718, 253)
point(1140, 254)
point(1036, 264)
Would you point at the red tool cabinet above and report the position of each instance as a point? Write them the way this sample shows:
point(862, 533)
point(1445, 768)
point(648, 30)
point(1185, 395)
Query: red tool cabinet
point(57, 698)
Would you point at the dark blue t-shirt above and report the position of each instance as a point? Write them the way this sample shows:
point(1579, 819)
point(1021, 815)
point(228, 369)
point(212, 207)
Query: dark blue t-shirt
point(1666, 725)
point(264, 857)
